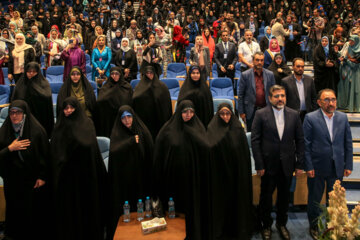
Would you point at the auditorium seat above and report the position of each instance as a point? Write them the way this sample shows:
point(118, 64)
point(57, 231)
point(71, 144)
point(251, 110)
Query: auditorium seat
point(55, 73)
point(218, 101)
point(173, 86)
point(237, 76)
point(260, 37)
point(87, 59)
point(42, 61)
point(134, 82)
point(55, 88)
point(175, 70)
point(214, 71)
point(5, 72)
point(89, 72)
point(3, 115)
point(4, 94)
point(222, 88)
point(104, 146)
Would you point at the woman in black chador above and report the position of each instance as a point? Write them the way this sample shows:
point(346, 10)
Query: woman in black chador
point(230, 174)
point(115, 93)
point(152, 102)
point(24, 156)
point(130, 162)
point(79, 176)
point(181, 169)
point(35, 90)
point(196, 90)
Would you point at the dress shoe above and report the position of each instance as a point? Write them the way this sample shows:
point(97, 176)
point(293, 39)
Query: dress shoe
point(314, 233)
point(284, 232)
point(266, 233)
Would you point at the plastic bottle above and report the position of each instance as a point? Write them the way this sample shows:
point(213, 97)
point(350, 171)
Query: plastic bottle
point(147, 208)
point(171, 208)
point(140, 210)
point(126, 212)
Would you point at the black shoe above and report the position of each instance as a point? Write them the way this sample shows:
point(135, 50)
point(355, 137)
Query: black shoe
point(314, 233)
point(284, 232)
point(157, 209)
point(266, 233)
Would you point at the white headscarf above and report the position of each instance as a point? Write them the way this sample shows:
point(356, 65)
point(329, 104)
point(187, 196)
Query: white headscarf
point(125, 49)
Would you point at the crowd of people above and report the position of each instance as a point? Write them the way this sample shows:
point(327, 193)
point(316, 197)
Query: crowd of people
point(200, 159)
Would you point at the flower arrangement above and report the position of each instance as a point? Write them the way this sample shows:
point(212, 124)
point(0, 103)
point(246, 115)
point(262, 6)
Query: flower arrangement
point(334, 223)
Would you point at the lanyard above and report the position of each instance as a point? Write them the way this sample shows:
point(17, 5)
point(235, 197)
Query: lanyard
point(250, 47)
point(123, 56)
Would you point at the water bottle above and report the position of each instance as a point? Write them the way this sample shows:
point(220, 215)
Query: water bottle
point(171, 208)
point(147, 208)
point(140, 210)
point(126, 212)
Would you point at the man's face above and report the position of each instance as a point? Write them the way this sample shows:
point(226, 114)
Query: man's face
point(258, 61)
point(224, 36)
point(248, 36)
point(298, 67)
point(278, 99)
point(327, 102)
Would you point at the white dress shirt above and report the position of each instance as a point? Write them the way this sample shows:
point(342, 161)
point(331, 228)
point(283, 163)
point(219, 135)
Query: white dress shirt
point(329, 123)
point(280, 122)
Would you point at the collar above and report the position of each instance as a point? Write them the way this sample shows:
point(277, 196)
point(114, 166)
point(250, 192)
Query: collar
point(325, 116)
point(276, 111)
point(302, 78)
point(259, 74)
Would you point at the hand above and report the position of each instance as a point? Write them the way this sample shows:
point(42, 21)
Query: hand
point(329, 64)
point(260, 172)
point(341, 59)
point(127, 70)
point(298, 172)
point(137, 138)
point(39, 183)
point(17, 145)
point(347, 172)
point(279, 70)
point(311, 173)
point(231, 67)
point(223, 69)
point(155, 60)
point(243, 117)
point(10, 76)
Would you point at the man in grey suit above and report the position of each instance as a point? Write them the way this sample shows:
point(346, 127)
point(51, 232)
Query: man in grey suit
point(253, 89)
point(300, 90)
point(328, 152)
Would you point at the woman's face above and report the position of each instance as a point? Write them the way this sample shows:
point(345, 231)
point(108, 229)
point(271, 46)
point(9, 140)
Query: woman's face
point(6, 34)
point(127, 121)
point(101, 41)
point(19, 40)
point(274, 44)
point(16, 116)
point(12, 26)
point(278, 60)
point(199, 41)
point(268, 31)
point(151, 38)
point(75, 76)
point(31, 73)
point(187, 115)
point(150, 75)
point(139, 35)
point(99, 31)
point(54, 34)
point(114, 24)
point(225, 114)
point(115, 76)
point(324, 42)
point(207, 32)
point(93, 24)
point(68, 110)
point(124, 43)
point(195, 75)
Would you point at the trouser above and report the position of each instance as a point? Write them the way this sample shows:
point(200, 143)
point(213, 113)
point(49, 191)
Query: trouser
point(316, 187)
point(230, 74)
point(268, 184)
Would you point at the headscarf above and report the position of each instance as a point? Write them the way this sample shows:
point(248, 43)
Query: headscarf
point(160, 32)
point(268, 36)
point(16, 27)
point(11, 38)
point(125, 49)
point(326, 48)
point(355, 49)
point(30, 40)
point(274, 50)
point(19, 49)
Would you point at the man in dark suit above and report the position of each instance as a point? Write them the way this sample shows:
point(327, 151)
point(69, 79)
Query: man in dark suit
point(225, 57)
point(328, 152)
point(300, 89)
point(253, 89)
point(278, 147)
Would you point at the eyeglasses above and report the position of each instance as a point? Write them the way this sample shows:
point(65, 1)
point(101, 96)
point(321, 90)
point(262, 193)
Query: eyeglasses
point(114, 73)
point(17, 113)
point(75, 74)
point(328, 100)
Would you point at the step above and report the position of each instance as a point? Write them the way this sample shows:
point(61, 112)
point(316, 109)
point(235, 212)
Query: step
point(355, 175)
point(353, 117)
point(355, 131)
point(352, 196)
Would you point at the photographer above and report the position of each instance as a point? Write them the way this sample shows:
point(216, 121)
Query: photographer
point(315, 26)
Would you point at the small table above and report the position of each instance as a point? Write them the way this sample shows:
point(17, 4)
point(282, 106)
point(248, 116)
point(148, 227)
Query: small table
point(132, 230)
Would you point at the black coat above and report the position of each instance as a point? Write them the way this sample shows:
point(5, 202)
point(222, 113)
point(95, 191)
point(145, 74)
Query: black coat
point(130, 62)
point(292, 94)
point(271, 153)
